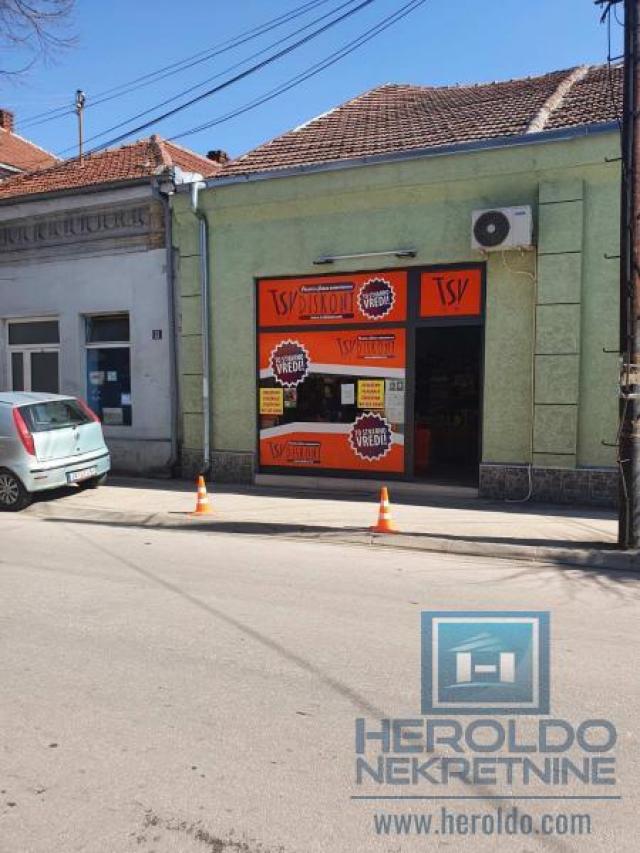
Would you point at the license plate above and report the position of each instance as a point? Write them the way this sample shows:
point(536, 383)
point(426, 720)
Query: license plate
point(76, 476)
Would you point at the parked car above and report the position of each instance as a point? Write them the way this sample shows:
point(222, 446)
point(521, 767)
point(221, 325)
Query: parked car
point(47, 441)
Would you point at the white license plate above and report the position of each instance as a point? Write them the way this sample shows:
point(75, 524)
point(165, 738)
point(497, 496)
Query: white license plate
point(76, 476)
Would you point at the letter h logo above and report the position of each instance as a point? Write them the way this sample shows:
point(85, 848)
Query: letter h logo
point(485, 662)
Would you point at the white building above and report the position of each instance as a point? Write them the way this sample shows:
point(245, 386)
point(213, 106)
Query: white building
point(86, 292)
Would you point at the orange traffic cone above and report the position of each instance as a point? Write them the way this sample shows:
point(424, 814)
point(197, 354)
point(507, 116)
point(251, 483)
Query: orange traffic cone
point(203, 507)
point(385, 524)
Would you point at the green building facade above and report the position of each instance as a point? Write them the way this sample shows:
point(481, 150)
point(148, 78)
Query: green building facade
point(548, 362)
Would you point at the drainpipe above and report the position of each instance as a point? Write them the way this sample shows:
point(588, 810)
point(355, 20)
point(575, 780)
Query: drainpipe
point(165, 188)
point(173, 334)
point(203, 250)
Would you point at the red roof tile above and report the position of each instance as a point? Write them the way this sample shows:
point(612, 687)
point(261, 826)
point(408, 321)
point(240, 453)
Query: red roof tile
point(595, 98)
point(394, 118)
point(139, 160)
point(22, 154)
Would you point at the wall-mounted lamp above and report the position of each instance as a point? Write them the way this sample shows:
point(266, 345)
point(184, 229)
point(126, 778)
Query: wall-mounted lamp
point(399, 253)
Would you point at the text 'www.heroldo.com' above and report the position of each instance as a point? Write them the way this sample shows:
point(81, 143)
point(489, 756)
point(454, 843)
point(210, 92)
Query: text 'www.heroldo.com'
point(500, 822)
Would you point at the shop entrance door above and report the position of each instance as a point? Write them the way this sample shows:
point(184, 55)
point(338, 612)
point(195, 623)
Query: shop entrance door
point(447, 403)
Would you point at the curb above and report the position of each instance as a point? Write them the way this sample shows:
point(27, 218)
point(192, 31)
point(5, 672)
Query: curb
point(587, 558)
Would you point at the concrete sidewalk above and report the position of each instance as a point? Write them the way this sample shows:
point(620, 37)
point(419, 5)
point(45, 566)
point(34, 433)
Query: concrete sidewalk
point(572, 536)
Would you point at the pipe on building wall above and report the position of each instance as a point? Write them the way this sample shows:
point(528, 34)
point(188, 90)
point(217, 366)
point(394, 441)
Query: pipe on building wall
point(174, 388)
point(173, 335)
point(203, 251)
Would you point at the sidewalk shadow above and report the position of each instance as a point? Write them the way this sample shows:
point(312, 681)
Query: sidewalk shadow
point(622, 583)
point(364, 497)
point(275, 529)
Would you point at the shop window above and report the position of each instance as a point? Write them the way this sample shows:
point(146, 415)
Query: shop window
point(34, 351)
point(109, 368)
point(29, 333)
point(333, 399)
point(108, 328)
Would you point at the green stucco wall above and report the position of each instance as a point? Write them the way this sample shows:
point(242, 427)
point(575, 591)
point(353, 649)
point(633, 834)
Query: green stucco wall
point(277, 227)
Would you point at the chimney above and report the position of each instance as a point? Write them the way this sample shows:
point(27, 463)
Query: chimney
point(218, 156)
point(6, 120)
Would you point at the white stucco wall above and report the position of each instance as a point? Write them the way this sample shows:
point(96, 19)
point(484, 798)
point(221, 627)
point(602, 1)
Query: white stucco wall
point(69, 288)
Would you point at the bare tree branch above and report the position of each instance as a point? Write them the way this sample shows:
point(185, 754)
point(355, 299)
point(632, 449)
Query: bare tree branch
point(34, 27)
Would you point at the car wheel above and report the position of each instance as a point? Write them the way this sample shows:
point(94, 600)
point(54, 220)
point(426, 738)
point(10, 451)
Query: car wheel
point(13, 495)
point(94, 482)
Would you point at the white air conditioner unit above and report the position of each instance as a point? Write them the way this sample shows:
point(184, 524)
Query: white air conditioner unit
point(500, 228)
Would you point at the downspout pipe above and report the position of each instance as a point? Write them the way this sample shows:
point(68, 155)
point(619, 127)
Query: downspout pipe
point(203, 251)
point(164, 190)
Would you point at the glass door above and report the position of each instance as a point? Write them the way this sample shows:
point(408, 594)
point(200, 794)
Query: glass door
point(35, 356)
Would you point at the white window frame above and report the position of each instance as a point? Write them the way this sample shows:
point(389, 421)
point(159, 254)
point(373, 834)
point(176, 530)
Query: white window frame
point(28, 349)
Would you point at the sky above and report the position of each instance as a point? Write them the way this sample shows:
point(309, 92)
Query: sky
point(442, 42)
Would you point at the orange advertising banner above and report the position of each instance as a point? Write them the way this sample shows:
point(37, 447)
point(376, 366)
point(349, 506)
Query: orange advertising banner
point(366, 440)
point(290, 357)
point(367, 445)
point(451, 293)
point(351, 298)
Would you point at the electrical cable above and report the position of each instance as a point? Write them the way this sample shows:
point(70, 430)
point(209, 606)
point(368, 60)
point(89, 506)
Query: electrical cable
point(334, 57)
point(236, 78)
point(207, 80)
point(180, 65)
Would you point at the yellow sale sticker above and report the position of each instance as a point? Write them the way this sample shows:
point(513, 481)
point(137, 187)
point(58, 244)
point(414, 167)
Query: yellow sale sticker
point(271, 401)
point(371, 393)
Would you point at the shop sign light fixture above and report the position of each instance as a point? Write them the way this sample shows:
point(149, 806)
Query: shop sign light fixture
point(399, 253)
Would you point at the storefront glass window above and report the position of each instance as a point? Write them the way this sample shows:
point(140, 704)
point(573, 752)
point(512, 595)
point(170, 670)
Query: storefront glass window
point(333, 398)
point(109, 369)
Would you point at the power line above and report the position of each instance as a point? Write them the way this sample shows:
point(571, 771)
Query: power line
point(236, 78)
point(178, 66)
point(334, 57)
point(224, 71)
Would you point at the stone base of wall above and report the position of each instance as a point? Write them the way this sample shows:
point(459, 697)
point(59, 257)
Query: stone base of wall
point(140, 458)
point(231, 467)
point(191, 463)
point(226, 466)
point(589, 486)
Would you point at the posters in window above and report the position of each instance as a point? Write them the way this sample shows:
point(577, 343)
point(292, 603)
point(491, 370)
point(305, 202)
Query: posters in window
point(271, 401)
point(347, 394)
point(371, 393)
point(365, 439)
point(394, 400)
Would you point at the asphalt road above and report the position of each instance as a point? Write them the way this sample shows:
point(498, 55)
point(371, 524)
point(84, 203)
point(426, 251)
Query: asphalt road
point(189, 691)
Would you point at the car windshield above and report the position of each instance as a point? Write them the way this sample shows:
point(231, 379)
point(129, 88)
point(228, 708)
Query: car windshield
point(55, 414)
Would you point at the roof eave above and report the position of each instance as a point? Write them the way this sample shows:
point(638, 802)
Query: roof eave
point(89, 188)
point(556, 135)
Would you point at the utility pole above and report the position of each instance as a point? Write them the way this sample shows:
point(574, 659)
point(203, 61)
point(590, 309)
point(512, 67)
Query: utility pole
point(629, 433)
point(80, 101)
point(629, 429)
